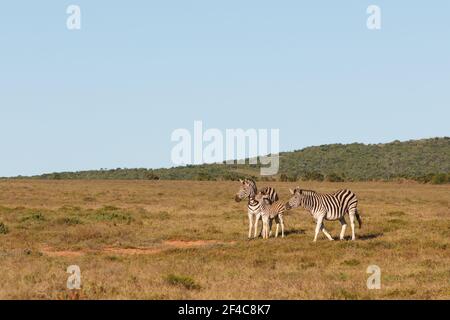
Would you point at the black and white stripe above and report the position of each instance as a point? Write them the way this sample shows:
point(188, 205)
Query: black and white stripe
point(332, 207)
point(248, 190)
point(269, 212)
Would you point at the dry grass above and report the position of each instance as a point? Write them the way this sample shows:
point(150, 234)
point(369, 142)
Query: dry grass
point(187, 240)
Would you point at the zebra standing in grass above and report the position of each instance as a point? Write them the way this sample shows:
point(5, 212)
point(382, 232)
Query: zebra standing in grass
point(270, 211)
point(329, 207)
point(248, 190)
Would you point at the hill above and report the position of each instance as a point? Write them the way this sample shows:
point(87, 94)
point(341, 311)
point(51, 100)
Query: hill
point(426, 160)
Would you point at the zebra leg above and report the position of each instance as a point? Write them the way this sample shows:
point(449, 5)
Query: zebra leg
point(270, 227)
point(250, 225)
point(344, 226)
point(352, 223)
point(282, 225)
point(325, 232)
point(278, 227)
point(318, 227)
point(265, 230)
point(258, 216)
point(277, 231)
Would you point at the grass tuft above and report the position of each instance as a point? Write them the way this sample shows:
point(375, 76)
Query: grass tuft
point(69, 221)
point(38, 216)
point(3, 228)
point(181, 280)
point(111, 213)
point(351, 262)
point(162, 215)
point(397, 213)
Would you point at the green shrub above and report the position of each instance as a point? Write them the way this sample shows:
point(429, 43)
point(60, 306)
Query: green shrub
point(38, 216)
point(313, 176)
point(111, 213)
point(351, 262)
point(149, 175)
point(3, 228)
point(333, 177)
point(184, 281)
point(70, 221)
point(440, 178)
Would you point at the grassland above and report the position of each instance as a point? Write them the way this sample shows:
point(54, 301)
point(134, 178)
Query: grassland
point(187, 240)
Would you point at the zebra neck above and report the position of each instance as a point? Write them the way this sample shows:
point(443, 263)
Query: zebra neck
point(307, 205)
point(252, 202)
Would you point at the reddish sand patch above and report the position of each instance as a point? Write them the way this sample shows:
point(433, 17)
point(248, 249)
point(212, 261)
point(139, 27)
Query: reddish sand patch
point(61, 253)
point(190, 244)
point(131, 251)
point(166, 245)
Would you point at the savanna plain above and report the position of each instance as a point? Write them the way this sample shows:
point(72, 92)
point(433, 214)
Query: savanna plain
point(188, 240)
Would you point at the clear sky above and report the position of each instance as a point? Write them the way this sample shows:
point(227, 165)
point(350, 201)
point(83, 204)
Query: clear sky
point(110, 95)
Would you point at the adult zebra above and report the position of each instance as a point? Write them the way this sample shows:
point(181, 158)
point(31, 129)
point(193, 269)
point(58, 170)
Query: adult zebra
point(248, 190)
point(332, 207)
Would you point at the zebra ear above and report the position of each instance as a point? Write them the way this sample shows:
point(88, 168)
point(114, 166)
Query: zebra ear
point(241, 181)
point(292, 191)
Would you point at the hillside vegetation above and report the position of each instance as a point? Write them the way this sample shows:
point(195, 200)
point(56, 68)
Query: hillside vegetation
point(426, 160)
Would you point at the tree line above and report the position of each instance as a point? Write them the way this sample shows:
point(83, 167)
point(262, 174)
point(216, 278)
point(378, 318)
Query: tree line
point(426, 161)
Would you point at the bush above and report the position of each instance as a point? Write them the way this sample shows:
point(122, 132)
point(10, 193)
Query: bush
point(36, 216)
point(183, 281)
point(313, 176)
point(333, 177)
point(111, 213)
point(203, 176)
point(440, 178)
point(3, 228)
point(70, 221)
point(149, 175)
point(230, 176)
point(283, 178)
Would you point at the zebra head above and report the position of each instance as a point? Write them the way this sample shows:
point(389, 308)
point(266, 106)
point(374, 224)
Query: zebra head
point(296, 199)
point(247, 190)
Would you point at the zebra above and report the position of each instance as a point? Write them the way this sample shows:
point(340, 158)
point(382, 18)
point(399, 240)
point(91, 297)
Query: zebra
point(248, 190)
point(331, 207)
point(270, 211)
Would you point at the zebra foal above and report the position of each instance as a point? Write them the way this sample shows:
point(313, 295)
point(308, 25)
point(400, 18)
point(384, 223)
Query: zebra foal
point(269, 212)
point(331, 207)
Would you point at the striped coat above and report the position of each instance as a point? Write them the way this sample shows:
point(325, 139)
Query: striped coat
point(248, 191)
point(270, 211)
point(333, 206)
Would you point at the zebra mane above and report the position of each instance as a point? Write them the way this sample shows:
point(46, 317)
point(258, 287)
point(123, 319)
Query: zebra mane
point(252, 183)
point(306, 192)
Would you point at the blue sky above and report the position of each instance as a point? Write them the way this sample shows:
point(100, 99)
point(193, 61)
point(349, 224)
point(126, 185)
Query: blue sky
point(110, 95)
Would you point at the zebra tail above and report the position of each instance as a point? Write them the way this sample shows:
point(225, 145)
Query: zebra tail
point(358, 217)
